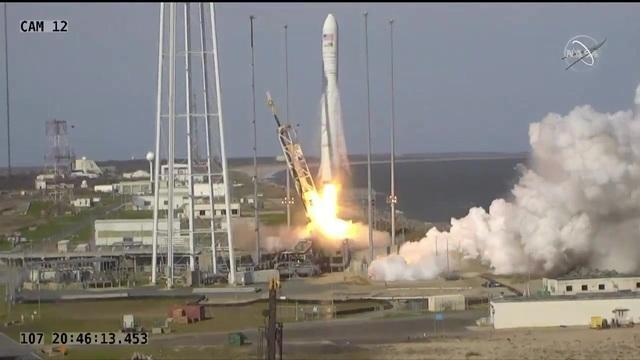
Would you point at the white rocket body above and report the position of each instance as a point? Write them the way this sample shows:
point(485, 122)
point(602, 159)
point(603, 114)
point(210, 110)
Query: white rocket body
point(333, 152)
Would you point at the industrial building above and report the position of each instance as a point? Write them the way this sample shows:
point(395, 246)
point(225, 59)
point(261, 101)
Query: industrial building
point(563, 310)
point(133, 232)
point(133, 187)
point(181, 201)
point(86, 167)
point(588, 284)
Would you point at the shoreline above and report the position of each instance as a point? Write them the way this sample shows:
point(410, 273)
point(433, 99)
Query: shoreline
point(268, 170)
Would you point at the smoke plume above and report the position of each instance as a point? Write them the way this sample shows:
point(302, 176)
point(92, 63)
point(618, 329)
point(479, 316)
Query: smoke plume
point(576, 204)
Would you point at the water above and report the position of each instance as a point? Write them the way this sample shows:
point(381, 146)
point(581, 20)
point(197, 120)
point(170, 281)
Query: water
point(436, 191)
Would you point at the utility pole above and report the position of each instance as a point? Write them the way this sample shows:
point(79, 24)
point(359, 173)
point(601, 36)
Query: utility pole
point(288, 201)
point(255, 147)
point(369, 200)
point(392, 198)
point(6, 77)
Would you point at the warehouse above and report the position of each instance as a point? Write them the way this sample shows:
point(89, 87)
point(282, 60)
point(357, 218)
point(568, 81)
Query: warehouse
point(565, 310)
point(585, 284)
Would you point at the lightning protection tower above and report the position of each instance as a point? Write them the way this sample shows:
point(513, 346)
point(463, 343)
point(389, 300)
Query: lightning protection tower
point(59, 157)
point(185, 103)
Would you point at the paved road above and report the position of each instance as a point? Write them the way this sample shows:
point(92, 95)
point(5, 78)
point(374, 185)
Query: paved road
point(345, 332)
point(9, 349)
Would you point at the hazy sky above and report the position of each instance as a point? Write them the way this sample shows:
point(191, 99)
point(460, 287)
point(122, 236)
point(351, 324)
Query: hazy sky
point(469, 77)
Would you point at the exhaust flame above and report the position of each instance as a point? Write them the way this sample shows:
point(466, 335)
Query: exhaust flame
point(323, 212)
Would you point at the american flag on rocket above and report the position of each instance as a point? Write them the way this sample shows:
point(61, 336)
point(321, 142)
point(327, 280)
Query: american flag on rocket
point(327, 37)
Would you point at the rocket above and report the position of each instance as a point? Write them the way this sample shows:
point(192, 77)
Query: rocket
point(333, 152)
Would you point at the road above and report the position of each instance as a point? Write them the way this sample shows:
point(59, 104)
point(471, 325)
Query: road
point(345, 332)
point(9, 349)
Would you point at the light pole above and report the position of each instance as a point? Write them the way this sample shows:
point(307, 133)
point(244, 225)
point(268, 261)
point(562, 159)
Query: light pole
point(150, 157)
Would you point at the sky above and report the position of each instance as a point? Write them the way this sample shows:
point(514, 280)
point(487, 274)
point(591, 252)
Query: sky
point(468, 77)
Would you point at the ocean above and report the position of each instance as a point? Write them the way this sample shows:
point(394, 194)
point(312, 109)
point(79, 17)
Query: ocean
point(437, 190)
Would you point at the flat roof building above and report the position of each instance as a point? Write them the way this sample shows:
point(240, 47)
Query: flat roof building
point(563, 310)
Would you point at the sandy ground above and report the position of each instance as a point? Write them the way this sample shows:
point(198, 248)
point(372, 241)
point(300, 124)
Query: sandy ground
point(548, 343)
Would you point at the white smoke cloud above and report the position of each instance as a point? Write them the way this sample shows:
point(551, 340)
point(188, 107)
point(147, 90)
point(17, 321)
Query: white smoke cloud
point(578, 204)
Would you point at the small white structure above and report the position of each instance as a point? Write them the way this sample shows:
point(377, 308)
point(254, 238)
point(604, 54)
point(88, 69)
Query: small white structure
point(63, 246)
point(42, 180)
point(454, 302)
point(82, 248)
point(565, 310)
point(104, 188)
point(138, 174)
point(572, 285)
point(249, 200)
point(82, 202)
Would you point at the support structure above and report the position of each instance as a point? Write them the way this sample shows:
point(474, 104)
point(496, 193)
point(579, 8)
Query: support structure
point(369, 191)
point(255, 147)
point(6, 77)
point(392, 197)
point(171, 140)
point(288, 200)
point(156, 170)
point(205, 92)
point(186, 175)
point(223, 156)
point(190, 136)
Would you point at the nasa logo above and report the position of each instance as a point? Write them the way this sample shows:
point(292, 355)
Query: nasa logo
point(581, 53)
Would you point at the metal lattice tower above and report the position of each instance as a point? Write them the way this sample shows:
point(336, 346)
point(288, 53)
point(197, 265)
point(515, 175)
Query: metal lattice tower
point(184, 86)
point(59, 158)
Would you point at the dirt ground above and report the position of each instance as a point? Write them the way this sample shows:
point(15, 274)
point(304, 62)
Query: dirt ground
point(548, 343)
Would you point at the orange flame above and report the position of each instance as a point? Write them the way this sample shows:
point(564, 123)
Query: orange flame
point(324, 214)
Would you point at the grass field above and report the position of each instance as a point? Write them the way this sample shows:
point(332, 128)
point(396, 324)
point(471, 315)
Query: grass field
point(3, 304)
point(102, 316)
point(131, 214)
point(107, 315)
point(37, 207)
point(5, 245)
point(273, 219)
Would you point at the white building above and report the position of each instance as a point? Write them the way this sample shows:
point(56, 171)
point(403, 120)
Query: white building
point(565, 310)
point(453, 302)
point(133, 187)
point(63, 246)
point(180, 174)
point(82, 202)
point(85, 167)
point(181, 202)
point(42, 180)
point(104, 188)
point(204, 210)
point(135, 231)
point(573, 285)
point(138, 174)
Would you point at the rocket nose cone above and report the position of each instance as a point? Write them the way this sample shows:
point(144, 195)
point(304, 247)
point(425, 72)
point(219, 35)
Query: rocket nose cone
point(330, 24)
